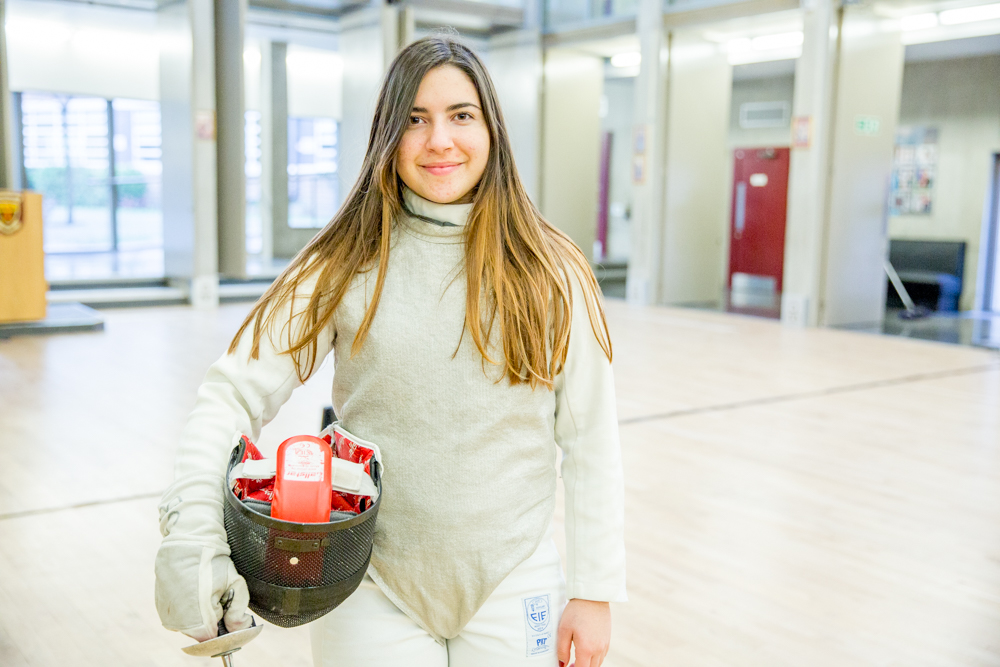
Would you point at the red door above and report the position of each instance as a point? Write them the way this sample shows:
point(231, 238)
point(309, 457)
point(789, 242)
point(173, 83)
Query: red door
point(757, 223)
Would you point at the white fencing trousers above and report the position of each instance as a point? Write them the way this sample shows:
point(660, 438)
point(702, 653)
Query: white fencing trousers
point(516, 626)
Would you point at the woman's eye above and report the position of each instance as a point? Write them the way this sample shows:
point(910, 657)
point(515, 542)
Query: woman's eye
point(463, 115)
point(415, 119)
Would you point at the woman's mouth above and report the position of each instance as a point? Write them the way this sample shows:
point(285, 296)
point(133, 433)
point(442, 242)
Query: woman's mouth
point(441, 168)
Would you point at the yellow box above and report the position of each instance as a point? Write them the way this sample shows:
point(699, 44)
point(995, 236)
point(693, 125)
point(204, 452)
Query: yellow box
point(22, 263)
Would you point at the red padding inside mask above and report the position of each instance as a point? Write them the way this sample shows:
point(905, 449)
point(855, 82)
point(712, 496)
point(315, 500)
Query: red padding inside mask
point(343, 448)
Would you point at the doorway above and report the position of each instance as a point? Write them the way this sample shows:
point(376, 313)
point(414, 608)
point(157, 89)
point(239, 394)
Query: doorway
point(757, 230)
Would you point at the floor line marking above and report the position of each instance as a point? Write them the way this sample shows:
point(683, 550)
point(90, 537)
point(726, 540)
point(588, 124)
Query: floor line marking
point(76, 506)
point(765, 400)
point(783, 398)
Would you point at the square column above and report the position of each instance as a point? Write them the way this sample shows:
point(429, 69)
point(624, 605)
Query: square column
point(846, 104)
point(649, 156)
point(515, 62)
point(368, 40)
point(573, 82)
point(187, 103)
point(230, 18)
point(696, 192)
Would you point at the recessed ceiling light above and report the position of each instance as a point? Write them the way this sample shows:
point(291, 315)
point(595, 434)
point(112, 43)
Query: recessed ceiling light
point(629, 59)
point(782, 40)
point(919, 21)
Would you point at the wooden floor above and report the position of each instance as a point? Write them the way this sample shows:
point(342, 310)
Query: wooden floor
point(804, 498)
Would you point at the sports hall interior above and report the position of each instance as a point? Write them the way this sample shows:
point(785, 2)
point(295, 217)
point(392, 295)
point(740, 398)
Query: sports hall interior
point(791, 207)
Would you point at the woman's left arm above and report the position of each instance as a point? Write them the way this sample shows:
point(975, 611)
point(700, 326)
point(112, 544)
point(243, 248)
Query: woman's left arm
point(586, 429)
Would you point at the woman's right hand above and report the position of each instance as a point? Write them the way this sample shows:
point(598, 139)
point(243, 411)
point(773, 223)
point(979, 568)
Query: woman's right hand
point(196, 582)
point(194, 589)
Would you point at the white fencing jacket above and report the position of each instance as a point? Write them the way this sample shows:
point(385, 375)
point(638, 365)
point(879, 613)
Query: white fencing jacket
point(470, 474)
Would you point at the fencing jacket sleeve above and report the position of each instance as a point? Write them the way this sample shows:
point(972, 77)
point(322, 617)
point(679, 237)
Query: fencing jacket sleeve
point(586, 430)
point(238, 396)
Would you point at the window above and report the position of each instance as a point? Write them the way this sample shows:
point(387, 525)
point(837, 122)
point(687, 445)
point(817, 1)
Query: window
point(97, 164)
point(252, 149)
point(313, 189)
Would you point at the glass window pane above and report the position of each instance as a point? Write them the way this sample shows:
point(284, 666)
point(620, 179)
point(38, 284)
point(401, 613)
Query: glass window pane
point(255, 230)
point(138, 174)
point(66, 159)
point(313, 188)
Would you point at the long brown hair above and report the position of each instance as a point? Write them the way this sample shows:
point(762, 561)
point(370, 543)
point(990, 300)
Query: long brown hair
point(514, 258)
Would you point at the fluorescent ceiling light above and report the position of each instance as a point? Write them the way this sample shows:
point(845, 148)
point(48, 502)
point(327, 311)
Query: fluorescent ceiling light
point(970, 14)
point(780, 46)
point(782, 40)
point(630, 59)
point(739, 45)
point(747, 57)
point(919, 22)
point(312, 62)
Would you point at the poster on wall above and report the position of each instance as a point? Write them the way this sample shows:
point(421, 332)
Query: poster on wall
point(914, 171)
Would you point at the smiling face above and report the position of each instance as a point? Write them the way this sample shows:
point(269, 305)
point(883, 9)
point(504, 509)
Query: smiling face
point(446, 144)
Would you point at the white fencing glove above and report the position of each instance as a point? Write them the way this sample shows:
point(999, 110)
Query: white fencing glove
point(196, 582)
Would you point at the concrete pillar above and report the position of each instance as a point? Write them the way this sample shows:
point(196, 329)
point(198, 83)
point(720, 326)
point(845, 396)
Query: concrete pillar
point(187, 104)
point(515, 62)
point(572, 87)
point(649, 150)
point(8, 177)
point(808, 182)
point(406, 30)
point(848, 84)
point(869, 86)
point(286, 241)
point(695, 209)
point(230, 17)
point(368, 41)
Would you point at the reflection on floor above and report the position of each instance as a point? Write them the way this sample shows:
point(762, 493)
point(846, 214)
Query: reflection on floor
point(794, 497)
point(965, 328)
point(126, 265)
point(97, 266)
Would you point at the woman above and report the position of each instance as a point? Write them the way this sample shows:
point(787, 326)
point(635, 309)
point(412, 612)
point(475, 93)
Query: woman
point(449, 303)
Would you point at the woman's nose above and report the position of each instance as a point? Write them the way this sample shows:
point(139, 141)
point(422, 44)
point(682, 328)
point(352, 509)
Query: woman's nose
point(440, 138)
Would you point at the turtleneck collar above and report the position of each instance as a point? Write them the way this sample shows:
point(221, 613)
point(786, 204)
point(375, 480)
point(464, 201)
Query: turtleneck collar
point(447, 215)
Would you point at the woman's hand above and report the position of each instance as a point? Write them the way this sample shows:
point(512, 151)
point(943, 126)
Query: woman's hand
point(586, 625)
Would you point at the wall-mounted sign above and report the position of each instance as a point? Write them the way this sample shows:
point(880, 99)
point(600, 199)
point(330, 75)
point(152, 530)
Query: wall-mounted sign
point(10, 212)
point(801, 131)
point(867, 126)
point(639, 140)
point(204, 124)
point(638, 169)
point(914, 170)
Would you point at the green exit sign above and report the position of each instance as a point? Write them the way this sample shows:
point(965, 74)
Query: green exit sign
point(866, 125)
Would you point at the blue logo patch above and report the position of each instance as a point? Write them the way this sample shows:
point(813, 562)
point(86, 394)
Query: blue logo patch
point(538, 626)
point(536, 612)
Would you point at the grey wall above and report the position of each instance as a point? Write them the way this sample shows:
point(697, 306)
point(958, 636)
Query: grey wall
point(779, 88)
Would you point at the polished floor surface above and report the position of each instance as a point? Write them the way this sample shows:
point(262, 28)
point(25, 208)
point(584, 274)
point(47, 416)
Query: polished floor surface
point(799, 498)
